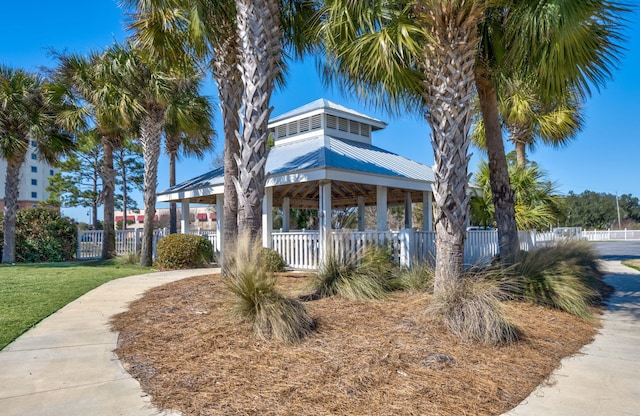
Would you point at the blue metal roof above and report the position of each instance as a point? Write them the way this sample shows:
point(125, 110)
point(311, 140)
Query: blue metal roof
point(323, 152)
point(324, 104)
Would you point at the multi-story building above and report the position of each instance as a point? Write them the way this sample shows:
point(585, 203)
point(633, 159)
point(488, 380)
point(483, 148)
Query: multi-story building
point(34, 179)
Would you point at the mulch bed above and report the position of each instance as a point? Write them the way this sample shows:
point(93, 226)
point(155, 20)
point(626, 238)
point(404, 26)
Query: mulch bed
point(366, 358)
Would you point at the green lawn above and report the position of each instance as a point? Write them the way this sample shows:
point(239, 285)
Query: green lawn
point(31, 292)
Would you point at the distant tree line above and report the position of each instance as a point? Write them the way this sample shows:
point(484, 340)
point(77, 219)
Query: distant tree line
point(598, 210)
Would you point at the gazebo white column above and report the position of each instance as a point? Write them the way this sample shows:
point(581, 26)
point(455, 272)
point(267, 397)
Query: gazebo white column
point(184, 220)
point(408, 220)
point(267, 217)
point(361, 224)
point(219, 222)
point(381, 208)
point(427, 211)
point(286, 211)
point(324, 212)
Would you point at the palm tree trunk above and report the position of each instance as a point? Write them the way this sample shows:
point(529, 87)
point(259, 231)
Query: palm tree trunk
point(229, 82)
point(124, 195)
point(449, 99)
point(521, 152)
point(173, 214)
point(108, 195)
point(503, 199)
point(259, 35)
point(150, 132)
point(11, 190)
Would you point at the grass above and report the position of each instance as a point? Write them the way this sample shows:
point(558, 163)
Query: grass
point(31, 292)
point(634, 264)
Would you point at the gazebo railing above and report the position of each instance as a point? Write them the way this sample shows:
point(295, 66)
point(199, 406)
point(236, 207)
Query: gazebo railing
point(299, 249)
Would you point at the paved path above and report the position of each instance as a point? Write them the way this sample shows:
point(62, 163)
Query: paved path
point(605, 378)
point(65, 366)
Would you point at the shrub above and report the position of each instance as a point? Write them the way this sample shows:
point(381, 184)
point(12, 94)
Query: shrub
point(257, 300)
point(272, 260)
point(565, 276)
point(470, 308)
point(184, 251)
point(367, 276)
point(43, 234)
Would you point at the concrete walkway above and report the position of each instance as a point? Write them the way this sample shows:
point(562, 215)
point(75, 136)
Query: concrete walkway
point(65, 366)
point(605, 378)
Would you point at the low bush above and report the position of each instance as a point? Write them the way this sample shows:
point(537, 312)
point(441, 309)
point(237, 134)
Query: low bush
point(272, 260)
point(471, 308)
point(43, 235)
point(256, 299)
point(368, 275)
point(565, 276)
point(183, 251)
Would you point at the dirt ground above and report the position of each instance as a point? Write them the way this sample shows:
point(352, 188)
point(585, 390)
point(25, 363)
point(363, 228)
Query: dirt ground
point(366, 358)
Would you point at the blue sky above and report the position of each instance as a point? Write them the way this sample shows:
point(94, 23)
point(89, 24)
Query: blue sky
point(605, 157)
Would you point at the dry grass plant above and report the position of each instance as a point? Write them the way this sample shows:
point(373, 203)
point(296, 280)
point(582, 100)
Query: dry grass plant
point(257, 300)
point(367, 275)
point(565, 276)
point(471, 308)
point(419, 278)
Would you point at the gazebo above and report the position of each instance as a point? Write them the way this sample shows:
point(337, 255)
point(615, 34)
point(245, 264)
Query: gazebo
point(322, 158)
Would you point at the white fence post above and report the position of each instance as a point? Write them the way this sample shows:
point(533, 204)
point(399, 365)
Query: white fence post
point(406, 238)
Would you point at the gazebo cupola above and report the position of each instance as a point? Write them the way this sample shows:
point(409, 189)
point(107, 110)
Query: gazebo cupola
point(323, 117)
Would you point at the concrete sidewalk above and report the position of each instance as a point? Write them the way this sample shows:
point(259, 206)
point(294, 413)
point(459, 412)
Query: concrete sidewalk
point(604, 379)
point(65, 365)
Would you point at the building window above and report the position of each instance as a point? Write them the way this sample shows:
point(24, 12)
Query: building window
point(34, 156)
point(34, 181)
point(51, 172)
point(34, 169)
point(34, 195)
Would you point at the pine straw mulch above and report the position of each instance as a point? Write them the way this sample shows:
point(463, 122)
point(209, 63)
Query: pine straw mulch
point(375, 357)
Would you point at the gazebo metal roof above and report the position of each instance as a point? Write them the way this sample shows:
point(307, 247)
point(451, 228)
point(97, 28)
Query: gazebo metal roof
point(296, 164)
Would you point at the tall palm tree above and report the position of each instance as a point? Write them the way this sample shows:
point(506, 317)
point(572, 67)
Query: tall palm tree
point(528, 120)
point(187, 128)
point(567, 47)
point(148, 85)
point(29, 111)
point(96, 92)
point(419, 55)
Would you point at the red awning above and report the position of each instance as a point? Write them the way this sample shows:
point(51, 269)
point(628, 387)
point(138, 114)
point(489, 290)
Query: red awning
point(202, 216)
point(212, 217)
point(131, 218)
point(155, 218)
point(140, 218)
point(118, 218)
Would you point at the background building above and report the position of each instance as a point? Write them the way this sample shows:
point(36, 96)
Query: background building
point(203, 218)
point(34, 179)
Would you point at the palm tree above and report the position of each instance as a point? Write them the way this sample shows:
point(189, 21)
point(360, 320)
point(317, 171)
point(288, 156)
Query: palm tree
point(418, 55)
point(149, 85)
point(29, 111)
point(566, 47)
point(528, 120)
point(537, 201)
point(95, 90)
point(188, 127)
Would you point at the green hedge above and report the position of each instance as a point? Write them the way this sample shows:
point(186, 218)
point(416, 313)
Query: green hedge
point(43, 235)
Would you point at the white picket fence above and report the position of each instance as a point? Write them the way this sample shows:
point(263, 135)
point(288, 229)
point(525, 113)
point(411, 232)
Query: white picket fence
point(301, 249)
point(127, 241)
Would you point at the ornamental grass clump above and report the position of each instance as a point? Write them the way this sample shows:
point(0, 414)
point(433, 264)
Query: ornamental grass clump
point(256, 299)
point(471, 308)
point(565, 276)
point(418, 278)
point(367, 275)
